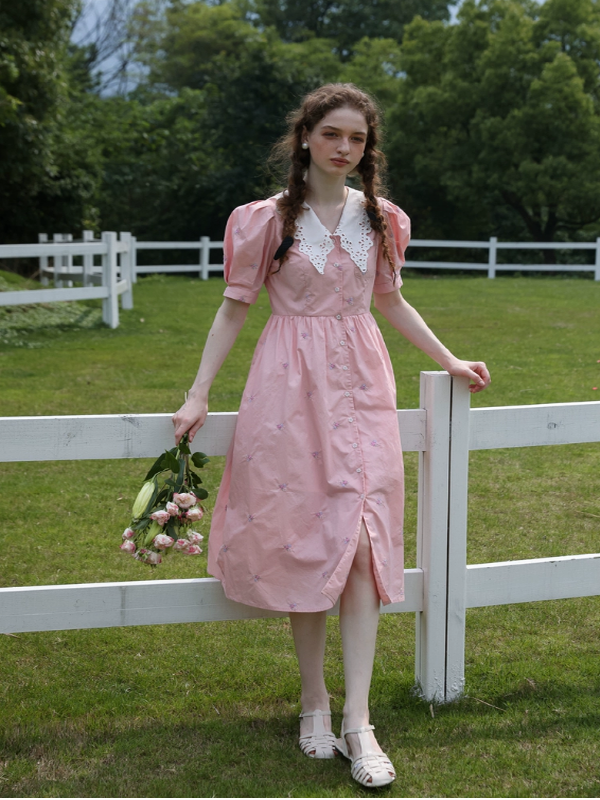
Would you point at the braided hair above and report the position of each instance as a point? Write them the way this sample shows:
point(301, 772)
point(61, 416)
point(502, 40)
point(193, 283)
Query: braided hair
point(314, 107)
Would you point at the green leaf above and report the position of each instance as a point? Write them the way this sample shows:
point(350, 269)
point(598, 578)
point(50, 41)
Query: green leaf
point(171, 461)
point(201, 494)
point(184, 448)
point(157, 467)
point(200, 459)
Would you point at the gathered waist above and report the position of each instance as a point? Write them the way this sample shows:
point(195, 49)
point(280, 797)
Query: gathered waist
point(323, 316)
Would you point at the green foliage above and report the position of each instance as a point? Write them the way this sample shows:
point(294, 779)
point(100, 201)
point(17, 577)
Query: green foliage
point(501, 113)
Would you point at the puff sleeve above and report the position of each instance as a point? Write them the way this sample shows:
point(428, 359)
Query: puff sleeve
point(251, 240)
point(398, 236)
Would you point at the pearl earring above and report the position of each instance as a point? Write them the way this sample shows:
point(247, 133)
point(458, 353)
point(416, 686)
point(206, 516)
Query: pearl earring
point(305, 145)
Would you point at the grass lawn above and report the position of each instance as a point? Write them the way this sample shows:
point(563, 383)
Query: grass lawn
point(211, 709)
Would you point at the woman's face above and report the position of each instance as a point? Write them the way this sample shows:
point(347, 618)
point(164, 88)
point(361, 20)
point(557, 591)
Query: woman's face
point(337, 142)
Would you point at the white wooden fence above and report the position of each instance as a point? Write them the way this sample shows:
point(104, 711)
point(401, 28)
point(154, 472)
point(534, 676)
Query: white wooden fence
point(204, 246)
point(105, 282)
point(443, 430)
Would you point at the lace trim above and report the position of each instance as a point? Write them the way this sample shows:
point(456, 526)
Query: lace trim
point(316, 242)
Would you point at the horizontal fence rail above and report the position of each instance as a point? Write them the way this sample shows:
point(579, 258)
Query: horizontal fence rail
point(439, 590)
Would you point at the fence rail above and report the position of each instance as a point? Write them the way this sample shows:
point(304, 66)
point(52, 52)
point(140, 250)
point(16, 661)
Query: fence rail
point(441, 588)
point(113, 279)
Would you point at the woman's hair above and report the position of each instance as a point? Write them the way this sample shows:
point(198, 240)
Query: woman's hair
point(314, 107)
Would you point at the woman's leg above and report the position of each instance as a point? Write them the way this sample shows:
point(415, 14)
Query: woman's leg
point(359, 618)
point(309, 638)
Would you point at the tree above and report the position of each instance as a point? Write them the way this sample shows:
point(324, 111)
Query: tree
point(497, 124)
point(345, 22)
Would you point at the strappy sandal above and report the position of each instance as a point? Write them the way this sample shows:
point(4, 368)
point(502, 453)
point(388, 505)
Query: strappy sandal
point(369, 769)
point(320, 743)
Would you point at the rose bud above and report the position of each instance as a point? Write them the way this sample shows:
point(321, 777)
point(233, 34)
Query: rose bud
point(181, 545)
point(193, 550)
point(143, 499)
point(194, 537)
point(194, 514)
point(128, 533)
point(161, 516)
point(162, 541)
point(173, 509)
point(128, 547)
point(185, 499)
point(152, 558)
point(153, 530)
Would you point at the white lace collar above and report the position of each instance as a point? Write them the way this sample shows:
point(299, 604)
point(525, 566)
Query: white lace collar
point(316, 242)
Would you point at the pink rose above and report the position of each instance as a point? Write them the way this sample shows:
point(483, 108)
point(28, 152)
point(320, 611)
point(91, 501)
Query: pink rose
point(148, 556)
point(128, 547)
point(161, 516)
point(193, 550)
point(128, 533)
point(194, 537)
point(185, 499)
point(195, 513)
point(173, 509)
point(162, 541)
point(181, 545)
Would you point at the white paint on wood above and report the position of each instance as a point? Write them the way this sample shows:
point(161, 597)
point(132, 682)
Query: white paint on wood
point(432, 536)
point(109, 605)
point(109, 436)
point(28, 296)
point(534, 579)
point(534, 425)
point(457, 538)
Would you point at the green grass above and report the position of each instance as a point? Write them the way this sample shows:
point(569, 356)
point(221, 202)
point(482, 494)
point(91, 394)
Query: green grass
point(211, 709)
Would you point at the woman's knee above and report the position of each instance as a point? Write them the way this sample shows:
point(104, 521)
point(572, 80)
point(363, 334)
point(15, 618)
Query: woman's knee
point(363, 559)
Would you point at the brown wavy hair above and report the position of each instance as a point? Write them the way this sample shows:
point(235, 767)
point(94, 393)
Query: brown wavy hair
point(288, 149)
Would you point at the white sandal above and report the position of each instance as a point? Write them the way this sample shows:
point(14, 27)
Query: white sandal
point(320, 743)
point(369, 769)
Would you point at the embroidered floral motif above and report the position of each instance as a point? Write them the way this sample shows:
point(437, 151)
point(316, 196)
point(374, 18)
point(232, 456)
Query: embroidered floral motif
point(256, 578)
point(319, 514)
point(248, 457)
point(304, 335)
point(254, 265)
point(310, 394)
point(375, 443)
point(346, 540)
point(251, 517)
point(332, 366)
point(237, 231)
point(343, 483)
point(384, 562)
point(285, 365)
point(250, 398)
point(316, 454)
point(293, 606)
point(352, 330)
point(283, 486)
point(336, 425)
point(287, 547)
point(324, 574)
point(350, 301)
point(363, 386)
point(242, 298)
point(281, 426)
point(224, 549)
point(379, 501)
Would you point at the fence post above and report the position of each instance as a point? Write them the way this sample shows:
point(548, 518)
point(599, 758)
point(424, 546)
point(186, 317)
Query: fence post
point(204, 257)
point(457, 538)
point(492, 257)
point(110, 305)
point(42, 238)
point(597, 270)
point(432, 537)
point(88, 260)
point(58, 263)
point(134, 259)
point(126, 271)
point(68, 261)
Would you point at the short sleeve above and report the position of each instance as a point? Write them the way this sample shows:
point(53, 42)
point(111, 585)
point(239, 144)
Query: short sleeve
point(398, 231)
point(248, 249)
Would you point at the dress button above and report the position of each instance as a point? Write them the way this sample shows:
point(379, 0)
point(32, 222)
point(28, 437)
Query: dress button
point(362, 497)
point(344, 367)
point(350, 419)
point(354, 444)
point(343, 342)
point(338, 316)
point(336, 265)
point(337, 288)
point(359, 470)
point(346, 394)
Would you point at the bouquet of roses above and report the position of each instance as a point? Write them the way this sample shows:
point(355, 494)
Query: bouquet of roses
point(167, 507)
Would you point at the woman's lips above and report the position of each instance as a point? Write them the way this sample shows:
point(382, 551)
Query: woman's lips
point(341, 162)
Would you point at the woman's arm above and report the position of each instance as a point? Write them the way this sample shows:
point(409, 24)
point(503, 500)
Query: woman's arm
point(402, 316)
point(228, 322)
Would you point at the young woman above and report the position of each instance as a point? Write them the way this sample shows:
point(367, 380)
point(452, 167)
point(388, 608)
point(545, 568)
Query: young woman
point(310, 508)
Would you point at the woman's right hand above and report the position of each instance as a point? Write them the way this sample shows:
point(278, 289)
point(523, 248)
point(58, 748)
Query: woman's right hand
point(190, 418)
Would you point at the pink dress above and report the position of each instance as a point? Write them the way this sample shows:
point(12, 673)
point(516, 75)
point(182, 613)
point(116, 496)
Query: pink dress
point(316, 447)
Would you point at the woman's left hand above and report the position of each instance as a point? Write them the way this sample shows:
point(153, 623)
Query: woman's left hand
point(475, 370)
